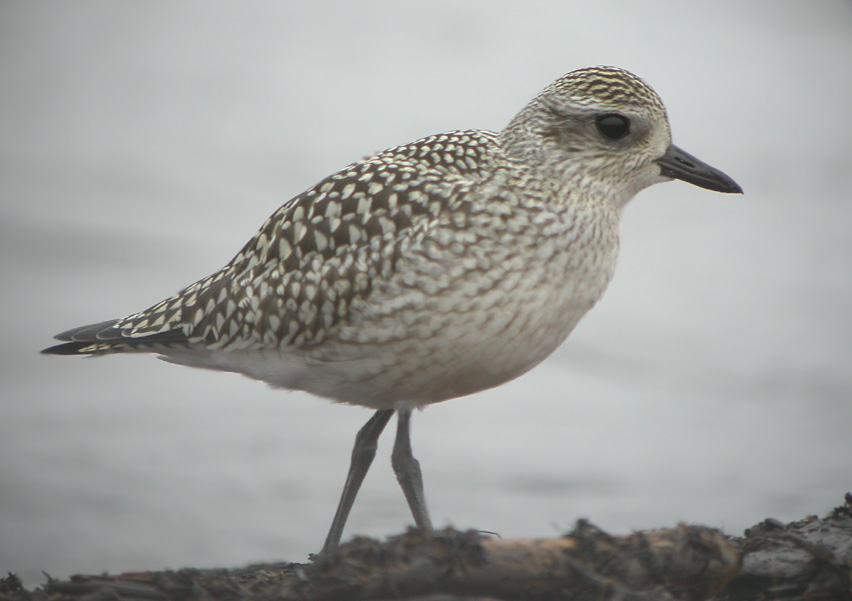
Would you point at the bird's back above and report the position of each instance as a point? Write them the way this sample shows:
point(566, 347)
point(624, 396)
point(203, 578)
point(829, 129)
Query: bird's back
point(322, 251)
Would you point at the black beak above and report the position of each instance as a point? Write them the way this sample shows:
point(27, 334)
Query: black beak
point(681, 165)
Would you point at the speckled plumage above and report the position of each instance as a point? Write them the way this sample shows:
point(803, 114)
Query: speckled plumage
point(431, 270)
point(296, 278)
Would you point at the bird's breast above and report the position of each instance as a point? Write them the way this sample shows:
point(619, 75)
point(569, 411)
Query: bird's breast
point(475, 303)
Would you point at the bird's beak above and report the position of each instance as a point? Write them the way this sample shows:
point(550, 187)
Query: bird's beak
point(681, 165)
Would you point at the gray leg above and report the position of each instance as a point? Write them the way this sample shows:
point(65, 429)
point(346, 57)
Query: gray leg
point(362, 456)
point(407, 471)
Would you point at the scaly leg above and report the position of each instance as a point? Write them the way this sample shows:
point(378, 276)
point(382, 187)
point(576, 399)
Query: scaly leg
point(407, 471)
point(362, 456)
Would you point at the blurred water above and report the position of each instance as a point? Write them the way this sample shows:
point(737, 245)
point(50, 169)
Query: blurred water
point(142, 143)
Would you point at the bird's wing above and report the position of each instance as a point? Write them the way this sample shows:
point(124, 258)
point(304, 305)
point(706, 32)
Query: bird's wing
point(311, 260)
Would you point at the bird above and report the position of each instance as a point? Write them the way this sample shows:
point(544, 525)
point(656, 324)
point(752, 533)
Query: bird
point(429, 271)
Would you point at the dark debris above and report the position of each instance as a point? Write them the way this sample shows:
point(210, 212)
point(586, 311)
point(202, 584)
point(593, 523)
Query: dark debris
point(806, 560)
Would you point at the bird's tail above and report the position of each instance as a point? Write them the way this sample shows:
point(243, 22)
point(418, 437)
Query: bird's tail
point(109, 337)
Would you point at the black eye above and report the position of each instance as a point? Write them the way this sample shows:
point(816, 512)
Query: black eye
point(613, 126)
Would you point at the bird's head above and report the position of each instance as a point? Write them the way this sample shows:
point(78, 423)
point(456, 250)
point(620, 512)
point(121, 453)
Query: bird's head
point(606, 129)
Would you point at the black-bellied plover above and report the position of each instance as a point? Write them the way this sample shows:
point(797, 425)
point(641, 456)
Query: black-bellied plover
point(429, 271)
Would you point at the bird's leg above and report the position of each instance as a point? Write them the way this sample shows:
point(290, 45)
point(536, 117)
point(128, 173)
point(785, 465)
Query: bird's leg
point(407, 471)
point(362, 456)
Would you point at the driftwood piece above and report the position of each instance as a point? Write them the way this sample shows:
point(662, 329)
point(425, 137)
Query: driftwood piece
point(809, 559)
point(586, 561)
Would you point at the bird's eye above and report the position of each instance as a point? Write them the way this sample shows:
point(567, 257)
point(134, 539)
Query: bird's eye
point(613, 126)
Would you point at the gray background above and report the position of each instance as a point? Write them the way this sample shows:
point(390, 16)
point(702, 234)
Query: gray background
point(143, 143)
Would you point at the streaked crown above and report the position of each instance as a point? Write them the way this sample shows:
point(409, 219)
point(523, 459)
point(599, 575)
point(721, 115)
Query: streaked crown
point(603, 86)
